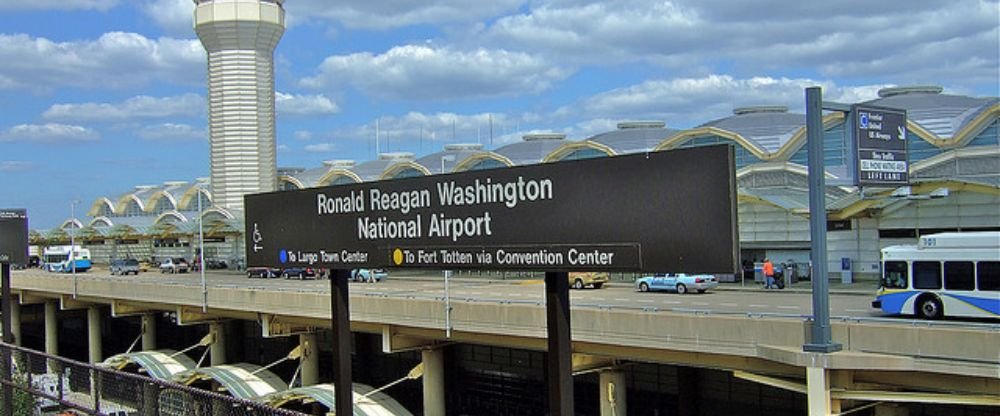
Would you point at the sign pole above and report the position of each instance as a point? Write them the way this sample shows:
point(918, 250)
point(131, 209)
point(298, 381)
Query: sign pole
point(341, 311)
point(559, 360)
point(8, 339)
point(820, 340)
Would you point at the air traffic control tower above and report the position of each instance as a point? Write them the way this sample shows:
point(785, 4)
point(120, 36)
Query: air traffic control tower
point(240, 37)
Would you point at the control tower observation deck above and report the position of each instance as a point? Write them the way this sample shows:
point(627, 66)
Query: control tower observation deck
point(240, 37)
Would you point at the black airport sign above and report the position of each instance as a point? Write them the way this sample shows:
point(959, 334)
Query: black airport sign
point(13, 236)
point(880, 140)
point(663, 211)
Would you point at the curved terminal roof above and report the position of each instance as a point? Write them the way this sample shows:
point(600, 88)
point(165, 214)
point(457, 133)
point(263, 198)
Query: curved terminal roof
point(159, 364)
point(944, 115)
point(768, 127)
point(534, 148)
point(635, 137)
point(243, 380)
point(450, 157)
point(378, 404)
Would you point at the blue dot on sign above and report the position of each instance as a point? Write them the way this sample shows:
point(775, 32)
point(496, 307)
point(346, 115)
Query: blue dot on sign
point(283, 256)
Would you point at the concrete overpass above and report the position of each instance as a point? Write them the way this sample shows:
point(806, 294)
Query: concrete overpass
point(882, 360)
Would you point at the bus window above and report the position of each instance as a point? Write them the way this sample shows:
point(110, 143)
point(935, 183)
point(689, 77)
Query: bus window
point(989, 275)
point(895, 275)
point(926, 275)
point(958, 275)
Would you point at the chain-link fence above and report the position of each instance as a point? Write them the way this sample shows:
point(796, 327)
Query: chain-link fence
point(43, 384)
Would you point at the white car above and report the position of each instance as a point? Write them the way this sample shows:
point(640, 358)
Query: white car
point(174, 265)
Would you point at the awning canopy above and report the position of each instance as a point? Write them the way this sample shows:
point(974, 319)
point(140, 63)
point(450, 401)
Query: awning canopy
point(159, 364)
point(243, 380)
point(378, 404)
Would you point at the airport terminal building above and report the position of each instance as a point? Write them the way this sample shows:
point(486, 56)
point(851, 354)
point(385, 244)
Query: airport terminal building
point(954, 154)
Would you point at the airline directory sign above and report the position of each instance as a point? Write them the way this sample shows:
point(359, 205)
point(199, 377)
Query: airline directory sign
point(662, 211)
point(880, 140)
point(13, 236)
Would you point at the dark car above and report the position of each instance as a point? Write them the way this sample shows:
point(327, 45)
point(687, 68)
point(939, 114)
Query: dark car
point(262, 272)
point(214, 264)
point(300, 272)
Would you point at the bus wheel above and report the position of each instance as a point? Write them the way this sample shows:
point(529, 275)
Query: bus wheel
point(929, 307)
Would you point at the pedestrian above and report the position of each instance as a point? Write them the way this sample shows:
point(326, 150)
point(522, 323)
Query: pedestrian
point(769, 274)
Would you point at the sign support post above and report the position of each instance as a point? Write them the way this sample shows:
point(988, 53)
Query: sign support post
point(820, 340)
point(8, 338)
point(341, 316)
point(13, 249)
point(559, 359)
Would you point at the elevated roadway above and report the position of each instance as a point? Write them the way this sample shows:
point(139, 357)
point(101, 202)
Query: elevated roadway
point(758, 335)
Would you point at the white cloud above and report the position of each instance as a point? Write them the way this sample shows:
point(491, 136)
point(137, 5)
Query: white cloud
point(115, 60)
point(282, 148)
point(421, 72)
point(304, 105)
point(174, 16)
point(49, 133)
point(101, 5)
point(11, 166)
point(321, 148)
point(172, 132)
point(397, 13)
point(303, 135)
point(685, 102)
point(141, 106)
point(954, 43)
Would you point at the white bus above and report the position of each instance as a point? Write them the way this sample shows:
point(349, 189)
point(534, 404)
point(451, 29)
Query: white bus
point(57, 258)
point(953, 274)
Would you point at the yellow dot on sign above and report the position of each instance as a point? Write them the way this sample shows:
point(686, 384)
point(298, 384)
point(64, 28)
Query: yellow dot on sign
point(397, 256)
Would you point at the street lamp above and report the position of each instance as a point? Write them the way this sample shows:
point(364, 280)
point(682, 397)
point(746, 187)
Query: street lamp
point(201, 254)
point(72, 242)
point(447, 273)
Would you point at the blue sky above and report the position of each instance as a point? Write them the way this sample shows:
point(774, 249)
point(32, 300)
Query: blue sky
point(98, 96)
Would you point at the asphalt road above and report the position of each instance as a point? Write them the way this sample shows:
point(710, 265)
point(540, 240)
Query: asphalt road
point(728, 298)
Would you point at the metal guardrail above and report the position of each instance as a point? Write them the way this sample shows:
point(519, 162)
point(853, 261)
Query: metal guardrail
point(44, 384)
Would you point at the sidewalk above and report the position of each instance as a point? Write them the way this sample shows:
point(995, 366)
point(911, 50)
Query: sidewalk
point(862, 287)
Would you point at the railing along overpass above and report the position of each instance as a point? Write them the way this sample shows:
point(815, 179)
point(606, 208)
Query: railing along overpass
point(894, 360)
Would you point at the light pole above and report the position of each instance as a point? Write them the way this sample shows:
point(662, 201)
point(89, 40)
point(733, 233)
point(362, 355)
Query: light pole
point(72, 242)
point(201, 255)
point(447, 273)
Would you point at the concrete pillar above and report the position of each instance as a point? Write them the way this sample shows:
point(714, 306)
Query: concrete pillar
point(218, 348)
point(148, 331)
point(613, 393)
point(15, 322)
point(94, 346)
point(434, 402)
point(51, 328)
point(818, 389)
point(310, 359)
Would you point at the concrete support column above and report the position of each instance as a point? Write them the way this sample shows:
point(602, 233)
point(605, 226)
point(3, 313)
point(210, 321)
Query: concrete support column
point(15, 322)
point(613, 393)
point(218, 348)
point(51, 328)
point(818, 389)
point(148, 331)
point(434, 401)
point(94, 346)
point(310, 359)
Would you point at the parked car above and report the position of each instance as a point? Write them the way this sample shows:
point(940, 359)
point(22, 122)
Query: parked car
point(300, 272)
point(369, 275)
point(215, 264)
point(123, 267)
point(579, 280)
point(678, 282)
point(174, 265)
point(262, 272)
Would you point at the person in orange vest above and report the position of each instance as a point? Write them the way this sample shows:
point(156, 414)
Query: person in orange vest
point(769, 275)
